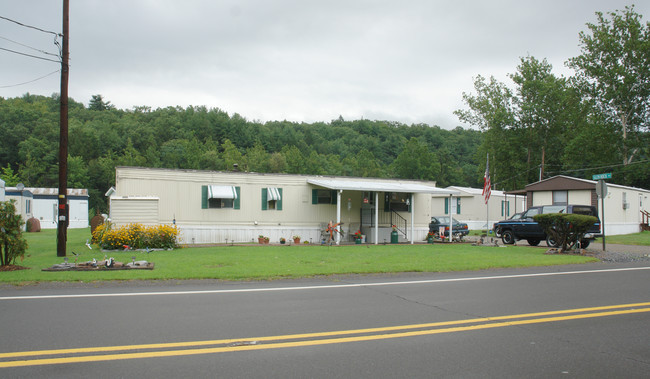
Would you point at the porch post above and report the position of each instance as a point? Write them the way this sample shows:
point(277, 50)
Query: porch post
point(338, 215)
point(376, 217)
point(451, 218)
point(412, 219)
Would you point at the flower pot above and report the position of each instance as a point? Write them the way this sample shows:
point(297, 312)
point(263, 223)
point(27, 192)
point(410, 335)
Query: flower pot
point(282, 242)
point(430, 240)
point(296, 241)
point(357, 241)
point(394, 237)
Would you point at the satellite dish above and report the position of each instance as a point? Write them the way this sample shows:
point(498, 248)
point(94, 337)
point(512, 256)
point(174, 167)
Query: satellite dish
point(20, 186)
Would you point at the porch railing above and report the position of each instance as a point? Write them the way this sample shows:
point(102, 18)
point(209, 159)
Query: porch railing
point(385, 219)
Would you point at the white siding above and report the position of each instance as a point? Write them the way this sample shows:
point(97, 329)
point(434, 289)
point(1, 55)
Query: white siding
point(78, 213)
point(179, 194)
point(134, 210)
point(580, 197)
point(620, 219)
point(473, 207)
point(546, 198)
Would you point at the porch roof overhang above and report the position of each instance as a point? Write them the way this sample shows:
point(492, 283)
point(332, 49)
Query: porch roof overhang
point(379, 186)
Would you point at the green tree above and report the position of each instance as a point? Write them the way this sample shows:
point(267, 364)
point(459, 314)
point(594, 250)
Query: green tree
point(545, 106)
point(231, 155)
point(10, 178)
point(77, 173)
point(415, 161)
point(257, 159)
point(294, 158)
point(97, 103)
point(493, 111)
point(12, 243)
point(277, 162)
point(613, 71)
point(366, 165)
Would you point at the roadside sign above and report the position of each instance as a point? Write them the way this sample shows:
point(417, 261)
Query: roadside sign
point(601, 176)
point(601, 189)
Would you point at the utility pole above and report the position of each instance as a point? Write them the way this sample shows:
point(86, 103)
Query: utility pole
point(62, 226)
point(541, 166)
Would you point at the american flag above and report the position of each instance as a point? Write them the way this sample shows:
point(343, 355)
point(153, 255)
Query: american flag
point(486, 180)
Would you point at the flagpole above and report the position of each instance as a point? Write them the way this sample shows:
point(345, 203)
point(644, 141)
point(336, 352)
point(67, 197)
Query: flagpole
point(486, 194)
point(487, 216)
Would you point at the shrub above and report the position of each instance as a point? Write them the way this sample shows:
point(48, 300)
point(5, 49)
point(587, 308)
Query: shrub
point(566, 228)
point(12, 243)
point(136, 236)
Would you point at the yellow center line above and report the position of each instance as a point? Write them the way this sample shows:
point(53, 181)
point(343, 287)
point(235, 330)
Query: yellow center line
point(245, 347)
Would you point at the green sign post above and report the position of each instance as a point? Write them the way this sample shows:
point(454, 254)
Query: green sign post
point(601, 191)
point(602, 176)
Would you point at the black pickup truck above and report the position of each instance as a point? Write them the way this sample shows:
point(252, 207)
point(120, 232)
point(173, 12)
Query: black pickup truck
point(526, 228)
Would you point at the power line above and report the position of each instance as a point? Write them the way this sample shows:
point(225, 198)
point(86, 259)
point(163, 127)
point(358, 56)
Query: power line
point(31, 27)
point(574, 170)
point(31, 81)
point(608, 166)
point(29, 55)
point(29, 47)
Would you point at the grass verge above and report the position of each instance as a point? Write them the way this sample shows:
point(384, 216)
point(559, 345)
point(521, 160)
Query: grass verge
point(640, 239)
point(255, 262)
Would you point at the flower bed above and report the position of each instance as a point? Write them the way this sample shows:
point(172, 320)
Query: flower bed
point(136, 236)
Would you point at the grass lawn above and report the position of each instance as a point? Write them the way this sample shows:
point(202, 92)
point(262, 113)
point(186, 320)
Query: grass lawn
point(267, 262)
point(641, 239)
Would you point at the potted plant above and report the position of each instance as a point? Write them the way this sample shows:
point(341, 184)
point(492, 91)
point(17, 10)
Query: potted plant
point(394, 237)
point(357, 237)
point(282, 240)
point(266, 240)
point(430, 236)
point(260, 239)
point(296, 239)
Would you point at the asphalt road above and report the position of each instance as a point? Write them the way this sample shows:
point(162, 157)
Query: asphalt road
point(582, 321)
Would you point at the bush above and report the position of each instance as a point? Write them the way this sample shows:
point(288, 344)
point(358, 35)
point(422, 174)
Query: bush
point(12, 243)
point(136, 236)
point(565, 228)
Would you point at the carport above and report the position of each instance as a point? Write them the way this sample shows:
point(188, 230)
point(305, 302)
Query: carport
point(376, 186)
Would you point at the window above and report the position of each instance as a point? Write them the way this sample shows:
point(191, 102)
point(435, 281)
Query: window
point(453, 208)
point(560, 197)
point(213, 196)
point(271, 198)
point(220, 203)
point(505, 208)
point(323, 196)
point(368, 197)
point(397, 201)
point(530, 213)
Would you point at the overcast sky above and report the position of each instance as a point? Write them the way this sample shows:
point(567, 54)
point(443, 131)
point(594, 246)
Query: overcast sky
point(300, 60)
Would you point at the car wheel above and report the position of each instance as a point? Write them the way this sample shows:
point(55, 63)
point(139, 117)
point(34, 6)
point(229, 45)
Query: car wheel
point(550, 241)
point(508, 237)
point(584, 243)
point(533, 242)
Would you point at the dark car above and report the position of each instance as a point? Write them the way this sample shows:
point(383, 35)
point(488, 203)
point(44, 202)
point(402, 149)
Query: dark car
point(526, 228)
point(497, 231)
point(460, 228)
